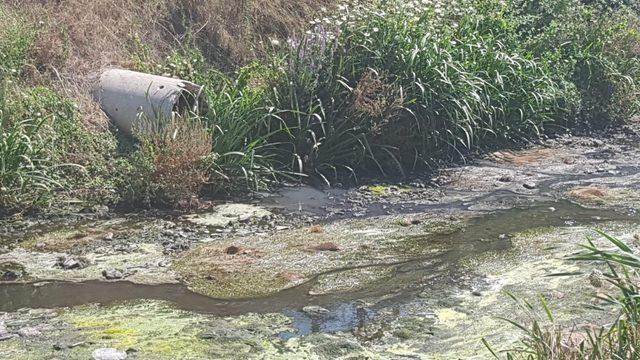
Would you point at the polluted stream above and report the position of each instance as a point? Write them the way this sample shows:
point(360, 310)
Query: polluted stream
point(485, 233)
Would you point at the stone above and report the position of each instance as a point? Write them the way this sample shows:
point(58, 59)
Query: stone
point(232, 250)
point(315, 310)
point(11, 271)
point(29, 332)
point(112, 274)
point(177, 246)
point(596, 278)
point(72, 263)
point(505, 178)
point(109, 354)
point(108, 236)
point(530, 185)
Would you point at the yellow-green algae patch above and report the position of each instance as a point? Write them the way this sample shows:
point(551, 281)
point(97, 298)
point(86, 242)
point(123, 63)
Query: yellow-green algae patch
point(153, 329)
point(12, 349)
point(269, 263)
point(527, 271)
point(351, 280)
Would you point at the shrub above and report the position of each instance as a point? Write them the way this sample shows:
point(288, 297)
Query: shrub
point(169, 167)
point(594, 46)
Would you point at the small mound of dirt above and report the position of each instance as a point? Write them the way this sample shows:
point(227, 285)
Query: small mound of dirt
point(591, 193)
point(522, 158)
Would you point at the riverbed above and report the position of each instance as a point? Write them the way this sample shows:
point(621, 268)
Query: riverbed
point(388, 270)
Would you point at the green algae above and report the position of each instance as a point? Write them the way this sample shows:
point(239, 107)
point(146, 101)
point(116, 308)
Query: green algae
point(350, 280)
point(153, 329)
point(272, 263)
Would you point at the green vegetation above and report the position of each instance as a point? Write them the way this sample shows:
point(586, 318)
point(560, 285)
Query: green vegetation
point(389, 87)
point(546, 340)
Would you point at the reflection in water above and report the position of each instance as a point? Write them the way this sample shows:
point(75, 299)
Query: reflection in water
point(340, 317)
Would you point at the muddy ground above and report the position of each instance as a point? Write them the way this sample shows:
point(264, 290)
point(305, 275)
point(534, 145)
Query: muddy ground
point(417, 269)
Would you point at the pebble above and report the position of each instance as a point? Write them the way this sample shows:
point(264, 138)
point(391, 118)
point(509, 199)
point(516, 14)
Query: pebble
point(109, 354)
point(315, 310)
point(529, 185)
point(112, 274)
point(29, 332)
point(505, 178)
point(72, 263)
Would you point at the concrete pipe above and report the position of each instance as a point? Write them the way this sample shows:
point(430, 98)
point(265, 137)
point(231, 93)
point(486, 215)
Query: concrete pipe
point(128, 95)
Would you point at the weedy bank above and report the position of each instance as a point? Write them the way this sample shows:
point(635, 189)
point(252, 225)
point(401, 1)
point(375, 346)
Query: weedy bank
point(362, 87)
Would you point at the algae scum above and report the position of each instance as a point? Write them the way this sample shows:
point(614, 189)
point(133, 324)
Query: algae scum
point(384, 271)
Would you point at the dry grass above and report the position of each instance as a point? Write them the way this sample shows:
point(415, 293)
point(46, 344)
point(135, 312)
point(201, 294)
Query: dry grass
point(78, 38)
point(177, 152)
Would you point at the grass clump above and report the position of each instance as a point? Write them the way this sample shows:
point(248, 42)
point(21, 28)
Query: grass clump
point(26, 175)
point(401, 86)
point(16, 38)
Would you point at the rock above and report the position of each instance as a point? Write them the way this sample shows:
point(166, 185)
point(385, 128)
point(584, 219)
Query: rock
point(112, 274)
point(72, 263)
point(505, 178)
point(530, 185)
point(596, 279)
point(232, 250)
point(108, 236)
point(328, 246)
point(29, 332)
point(315, 310)
point(409, 222)
point(316, 229)
point(177, 246)
point(109, 354)
point(637, 237)
point(11, 271)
